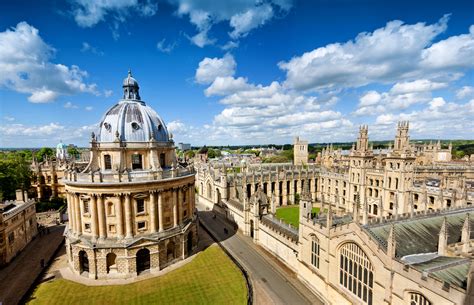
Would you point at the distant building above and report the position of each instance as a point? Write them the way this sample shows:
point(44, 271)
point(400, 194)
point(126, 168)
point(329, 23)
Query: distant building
point(300, 152)
point(184, 146)
point(17, 226)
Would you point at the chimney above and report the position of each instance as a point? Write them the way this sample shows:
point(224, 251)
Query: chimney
point(20, 196)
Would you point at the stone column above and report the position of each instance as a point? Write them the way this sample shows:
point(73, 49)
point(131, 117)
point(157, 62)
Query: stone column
point(94, 222)
point(119, 216)
point(128, 217)
point(180, 205)
point(160, 211)
point(78, 219)
point(102, 219)
point(175, 209)
point(152, 212)
point(190, 202)
point(69, 211)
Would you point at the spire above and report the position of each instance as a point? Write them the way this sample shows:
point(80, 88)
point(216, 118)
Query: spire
point(443, 238)
point(356, 208)
point(365, 216)
point(466, 234)
point(392, 242)
point(329, 217)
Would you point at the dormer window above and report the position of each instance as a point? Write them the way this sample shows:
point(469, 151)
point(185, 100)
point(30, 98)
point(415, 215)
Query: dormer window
point(108, 127)
point(135, 126)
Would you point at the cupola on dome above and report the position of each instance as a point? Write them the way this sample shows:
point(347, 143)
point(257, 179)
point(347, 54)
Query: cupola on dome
point(131, 120)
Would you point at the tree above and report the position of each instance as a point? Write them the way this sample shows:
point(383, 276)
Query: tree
point(44, 151)
point(190, 154)
point(15, 173)
point(73, 152)
point(213, 153)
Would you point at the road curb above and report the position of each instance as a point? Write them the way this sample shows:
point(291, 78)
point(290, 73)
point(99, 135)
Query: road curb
point(234, 260)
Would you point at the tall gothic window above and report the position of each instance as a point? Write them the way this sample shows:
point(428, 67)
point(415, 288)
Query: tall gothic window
point(86, 206)
point(418, 299)
point(315, 251)
point(356, 272)
point(107, 162)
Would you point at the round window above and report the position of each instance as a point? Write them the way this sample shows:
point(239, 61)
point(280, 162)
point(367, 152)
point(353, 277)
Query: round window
point(135, 126)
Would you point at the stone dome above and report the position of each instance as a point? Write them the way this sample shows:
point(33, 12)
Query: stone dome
point(131, 120)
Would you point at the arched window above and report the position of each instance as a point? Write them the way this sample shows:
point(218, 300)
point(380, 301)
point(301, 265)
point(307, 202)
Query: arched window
point(356, 272)
point(375, 209)
point(315, 251)
point(110, 209)
point(418, 299)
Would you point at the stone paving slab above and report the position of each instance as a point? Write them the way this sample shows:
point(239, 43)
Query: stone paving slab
point(18, 276)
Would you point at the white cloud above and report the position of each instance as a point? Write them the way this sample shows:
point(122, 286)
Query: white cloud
point(108, 93)
point(255, 112)
point(89, 108)
point(397, 52)
point(9, 118)
point(211, 68)
point(252, 18)
point(70, 105)
point(166, 48)
point(242, 15)
point(464, 92)
point(431, 121)
point(399, 97)
point(87, 47)
point(41, 135)
point(230, 45)
point(26, 67)
point(88, 13)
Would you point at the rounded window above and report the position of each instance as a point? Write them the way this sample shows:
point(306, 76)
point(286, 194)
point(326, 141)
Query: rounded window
point(107, 126)
point(135, 126)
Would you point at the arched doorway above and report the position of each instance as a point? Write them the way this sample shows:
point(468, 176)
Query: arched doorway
point(111, 266)
point(190, 243)
point(83, 262)
point(143, 260)
point(170, 251)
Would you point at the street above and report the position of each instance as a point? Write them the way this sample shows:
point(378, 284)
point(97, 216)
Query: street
point(279, 285)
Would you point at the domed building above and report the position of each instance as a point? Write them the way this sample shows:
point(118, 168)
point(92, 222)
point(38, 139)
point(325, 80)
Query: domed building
point(132, 209)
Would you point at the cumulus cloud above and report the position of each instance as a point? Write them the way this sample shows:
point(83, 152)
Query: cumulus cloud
point(88, 13)
point(397, 52)
point(431, 120)
point(211, 68)
point(252, 18)
point(25, 62)
point(257, 112)
point(464, 92)
point(243, 15)
point(400, 96)
point(40, 135)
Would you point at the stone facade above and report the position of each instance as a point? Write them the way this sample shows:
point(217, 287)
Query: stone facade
point(300, 152)
point(132, 208)
point(378, 210)
point(17, 226)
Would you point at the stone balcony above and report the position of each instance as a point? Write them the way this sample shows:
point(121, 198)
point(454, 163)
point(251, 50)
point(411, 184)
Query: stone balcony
point(128, 175)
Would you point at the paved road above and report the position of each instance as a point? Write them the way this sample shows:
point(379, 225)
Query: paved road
point(17, 277)
point(278, 284)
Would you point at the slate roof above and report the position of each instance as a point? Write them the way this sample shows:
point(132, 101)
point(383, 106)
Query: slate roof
point(420, 235)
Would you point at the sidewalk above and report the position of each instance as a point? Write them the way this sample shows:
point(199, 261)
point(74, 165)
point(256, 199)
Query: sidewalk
point(20, 274)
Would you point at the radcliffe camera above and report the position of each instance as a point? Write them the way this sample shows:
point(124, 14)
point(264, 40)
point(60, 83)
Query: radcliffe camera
point(258, 152)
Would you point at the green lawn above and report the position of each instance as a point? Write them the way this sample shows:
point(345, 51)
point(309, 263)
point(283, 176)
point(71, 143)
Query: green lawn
point(290, 214)
point(210, 278)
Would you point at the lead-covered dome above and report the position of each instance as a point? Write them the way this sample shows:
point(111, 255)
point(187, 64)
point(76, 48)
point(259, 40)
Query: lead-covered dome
point(131, 120)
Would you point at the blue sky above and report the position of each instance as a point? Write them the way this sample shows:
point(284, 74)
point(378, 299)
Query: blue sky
point(238, 72)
